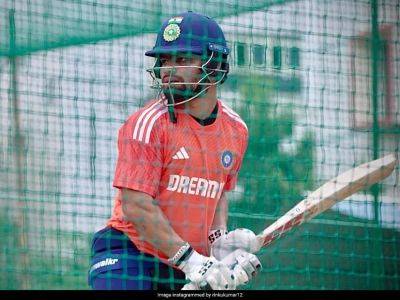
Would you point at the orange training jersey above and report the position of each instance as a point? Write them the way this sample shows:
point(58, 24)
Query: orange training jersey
point(184, 165)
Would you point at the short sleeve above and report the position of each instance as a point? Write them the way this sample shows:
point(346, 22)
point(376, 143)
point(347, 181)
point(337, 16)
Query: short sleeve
point(139, 163)
point(233, 176)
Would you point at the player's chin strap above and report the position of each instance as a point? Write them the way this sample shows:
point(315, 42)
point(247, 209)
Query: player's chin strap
point(167, 95)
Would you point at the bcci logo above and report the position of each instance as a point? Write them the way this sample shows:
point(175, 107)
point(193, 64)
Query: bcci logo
point(171, 32)
point(227, 158)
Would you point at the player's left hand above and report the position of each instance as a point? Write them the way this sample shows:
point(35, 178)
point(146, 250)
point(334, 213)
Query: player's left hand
point(223, 243)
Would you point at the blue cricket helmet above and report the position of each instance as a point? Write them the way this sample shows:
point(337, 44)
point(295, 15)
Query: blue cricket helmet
point(191, 33)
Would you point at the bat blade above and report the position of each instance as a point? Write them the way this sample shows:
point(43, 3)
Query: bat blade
point(333, 191)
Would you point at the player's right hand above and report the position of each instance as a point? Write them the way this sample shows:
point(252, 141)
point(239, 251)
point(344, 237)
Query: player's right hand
point(245, 265)
point(235, 249)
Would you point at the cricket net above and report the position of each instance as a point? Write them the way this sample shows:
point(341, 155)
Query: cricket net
point(317, 83)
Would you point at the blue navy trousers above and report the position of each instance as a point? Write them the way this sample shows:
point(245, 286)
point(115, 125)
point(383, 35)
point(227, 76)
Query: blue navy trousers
point(116, 264)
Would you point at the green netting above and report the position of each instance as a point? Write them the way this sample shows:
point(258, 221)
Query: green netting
point(317, 83)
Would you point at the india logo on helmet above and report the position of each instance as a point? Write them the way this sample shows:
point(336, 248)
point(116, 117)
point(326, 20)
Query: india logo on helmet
point(171, 32)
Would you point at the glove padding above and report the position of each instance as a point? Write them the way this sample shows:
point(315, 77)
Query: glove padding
point(243, 265)
point(234, 250)
point(208, 273)
point(226, 243)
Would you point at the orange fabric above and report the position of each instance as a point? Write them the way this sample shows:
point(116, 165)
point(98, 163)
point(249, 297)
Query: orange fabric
point(184, 165)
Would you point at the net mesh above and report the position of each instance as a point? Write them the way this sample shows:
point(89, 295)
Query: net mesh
point(317, 83)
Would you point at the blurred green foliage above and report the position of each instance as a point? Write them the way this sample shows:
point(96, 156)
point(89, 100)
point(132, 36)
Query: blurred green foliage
point(274, 178)
point(62, 268)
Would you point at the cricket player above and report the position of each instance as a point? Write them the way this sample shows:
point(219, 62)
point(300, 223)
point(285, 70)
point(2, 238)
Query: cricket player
point(177, 158)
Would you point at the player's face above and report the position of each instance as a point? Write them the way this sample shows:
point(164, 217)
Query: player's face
point(181, 68)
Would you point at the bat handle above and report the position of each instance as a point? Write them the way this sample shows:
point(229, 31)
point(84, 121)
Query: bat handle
point(240, 278)
point(190, 286)
point(260, 243)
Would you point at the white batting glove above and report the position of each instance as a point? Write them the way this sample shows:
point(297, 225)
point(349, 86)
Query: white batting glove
point(223, 243)
point(203, 272)
point(236, 248)
point(245, 265)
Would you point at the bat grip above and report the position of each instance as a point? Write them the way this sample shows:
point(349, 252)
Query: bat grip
point(190, 286)
point(260, 242)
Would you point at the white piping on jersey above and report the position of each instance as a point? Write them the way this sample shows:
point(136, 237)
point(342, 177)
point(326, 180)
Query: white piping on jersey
point(145, 122)
point(139, 121)
point(153, 120)
point(230, 112)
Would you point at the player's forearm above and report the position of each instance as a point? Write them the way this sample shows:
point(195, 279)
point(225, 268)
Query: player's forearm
point(150, 223)
point(221, 214)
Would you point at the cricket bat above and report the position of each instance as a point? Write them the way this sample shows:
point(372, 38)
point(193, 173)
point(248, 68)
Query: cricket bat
point(332, 192)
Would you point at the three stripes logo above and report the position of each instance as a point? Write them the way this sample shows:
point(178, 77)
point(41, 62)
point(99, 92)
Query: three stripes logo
point(145, 123)
point(181, 154)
